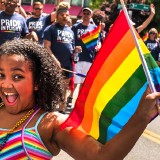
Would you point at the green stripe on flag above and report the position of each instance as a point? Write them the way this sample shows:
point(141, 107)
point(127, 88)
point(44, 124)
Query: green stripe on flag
point(128, 90)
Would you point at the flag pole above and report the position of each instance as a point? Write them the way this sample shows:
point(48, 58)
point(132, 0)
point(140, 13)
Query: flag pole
point(78, 74)
point(144, 64)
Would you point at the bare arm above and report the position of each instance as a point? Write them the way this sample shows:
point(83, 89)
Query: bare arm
point(47, 45)
point(148, 20)
point(22, 12)
point(81, 146)
point(53, 17)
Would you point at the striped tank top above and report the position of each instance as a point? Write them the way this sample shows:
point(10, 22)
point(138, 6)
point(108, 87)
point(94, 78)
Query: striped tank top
point(24, 144)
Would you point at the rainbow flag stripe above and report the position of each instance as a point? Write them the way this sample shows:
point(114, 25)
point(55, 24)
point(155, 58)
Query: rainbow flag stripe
point(9, 31)
point(145, 37)
point(114, 85)
point(90, 39)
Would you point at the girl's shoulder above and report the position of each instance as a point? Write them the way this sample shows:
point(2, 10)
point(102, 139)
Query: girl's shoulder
point(54, 117)
point(49, 127)
point(50, 121)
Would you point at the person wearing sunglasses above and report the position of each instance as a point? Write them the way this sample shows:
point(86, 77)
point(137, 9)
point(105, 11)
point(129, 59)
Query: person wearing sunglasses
point(13, 25)
point(38, 21)
point(86, 58)
point(18, 9)
point(153, 44)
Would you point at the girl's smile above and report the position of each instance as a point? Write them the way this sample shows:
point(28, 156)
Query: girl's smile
point(15, 76)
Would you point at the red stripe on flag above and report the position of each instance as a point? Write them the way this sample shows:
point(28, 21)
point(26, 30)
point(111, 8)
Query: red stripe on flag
point(93, 32)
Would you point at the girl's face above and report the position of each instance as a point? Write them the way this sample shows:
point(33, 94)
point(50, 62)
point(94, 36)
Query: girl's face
point(16, 83)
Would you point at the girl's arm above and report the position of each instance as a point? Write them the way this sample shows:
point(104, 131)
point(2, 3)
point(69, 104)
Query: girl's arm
point(81, 146)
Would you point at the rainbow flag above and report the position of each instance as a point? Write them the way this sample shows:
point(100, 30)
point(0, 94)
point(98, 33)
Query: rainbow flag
point(90, 39)
point(114, 85)
point(145, 37)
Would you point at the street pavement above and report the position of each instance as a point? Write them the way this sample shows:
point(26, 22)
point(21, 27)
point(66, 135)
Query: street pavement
point(148, 146)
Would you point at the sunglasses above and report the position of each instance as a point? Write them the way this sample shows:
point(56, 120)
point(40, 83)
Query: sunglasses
point(86, 13)
point(152, 33)
point(38, 9)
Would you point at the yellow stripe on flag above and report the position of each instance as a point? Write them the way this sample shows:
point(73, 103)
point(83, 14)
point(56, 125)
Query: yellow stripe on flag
point(112, 86)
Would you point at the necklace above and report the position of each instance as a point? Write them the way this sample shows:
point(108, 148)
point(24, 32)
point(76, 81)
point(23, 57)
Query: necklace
point(5, 139)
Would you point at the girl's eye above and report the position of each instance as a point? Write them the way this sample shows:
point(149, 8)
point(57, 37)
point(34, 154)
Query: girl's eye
point(18, 77)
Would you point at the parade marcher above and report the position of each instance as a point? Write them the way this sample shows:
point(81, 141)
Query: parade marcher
point(38, 22)
point(12, 24)
point(59, 40)
point(85, 58)
point(153, 44)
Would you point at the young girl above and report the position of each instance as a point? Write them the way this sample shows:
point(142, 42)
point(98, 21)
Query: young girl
point(31, 87)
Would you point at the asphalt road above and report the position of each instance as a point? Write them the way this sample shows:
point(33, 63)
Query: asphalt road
point(148, 146)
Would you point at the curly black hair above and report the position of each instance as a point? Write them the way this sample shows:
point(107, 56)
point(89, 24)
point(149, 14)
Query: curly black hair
point(47, 74)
